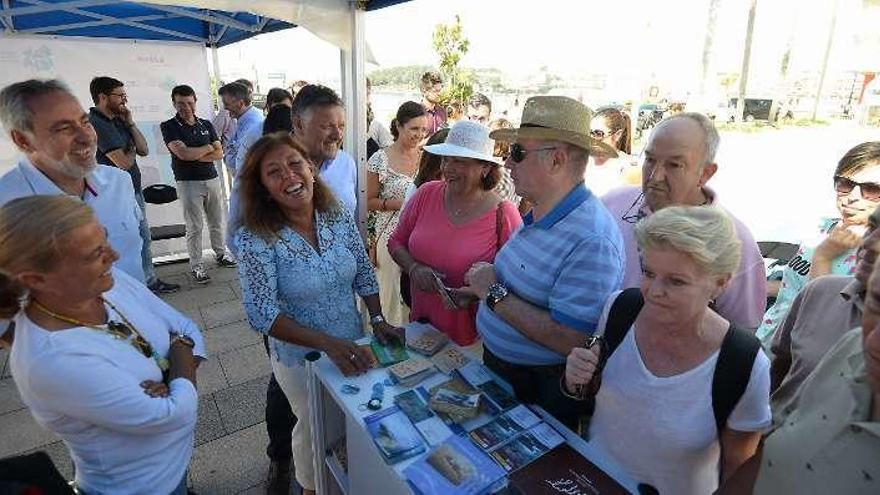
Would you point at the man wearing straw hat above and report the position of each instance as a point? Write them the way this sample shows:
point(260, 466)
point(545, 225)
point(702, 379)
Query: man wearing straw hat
point(546, 291)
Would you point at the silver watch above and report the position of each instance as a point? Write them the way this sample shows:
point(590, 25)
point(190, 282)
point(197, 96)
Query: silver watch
point(375, 320)
point(496, 293)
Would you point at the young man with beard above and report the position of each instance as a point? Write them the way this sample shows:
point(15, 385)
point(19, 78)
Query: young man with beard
point(119, 143)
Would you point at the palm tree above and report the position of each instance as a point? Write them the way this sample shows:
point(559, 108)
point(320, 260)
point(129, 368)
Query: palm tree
point(747, 55)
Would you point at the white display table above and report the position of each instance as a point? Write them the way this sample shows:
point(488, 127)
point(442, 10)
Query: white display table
point(335, 414)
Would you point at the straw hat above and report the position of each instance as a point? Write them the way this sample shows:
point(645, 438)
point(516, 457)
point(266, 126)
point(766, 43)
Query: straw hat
point(556, 118)
point(466, 139)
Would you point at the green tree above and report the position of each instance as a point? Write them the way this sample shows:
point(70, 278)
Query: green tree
point(450, 46)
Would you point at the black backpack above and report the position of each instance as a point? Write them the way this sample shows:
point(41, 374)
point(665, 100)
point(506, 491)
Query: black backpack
point(735, 359)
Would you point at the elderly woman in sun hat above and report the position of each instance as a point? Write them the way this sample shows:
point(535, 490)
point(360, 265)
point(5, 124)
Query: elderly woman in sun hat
point(449, 225)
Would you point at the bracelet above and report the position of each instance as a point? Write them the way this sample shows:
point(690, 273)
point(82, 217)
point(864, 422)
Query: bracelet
point(565, 391)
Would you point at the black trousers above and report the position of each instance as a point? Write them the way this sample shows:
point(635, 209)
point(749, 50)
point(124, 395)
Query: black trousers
point(540, 385)
point(280, 419)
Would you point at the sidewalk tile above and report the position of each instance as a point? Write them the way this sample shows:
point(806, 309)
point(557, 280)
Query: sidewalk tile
point(222, 313)
point(245, 364)
point(19, 432)
point(210, 376)
point(230, 337)
point(231, 464)
point(209, 426)
point(9, 398)
point(243, 405)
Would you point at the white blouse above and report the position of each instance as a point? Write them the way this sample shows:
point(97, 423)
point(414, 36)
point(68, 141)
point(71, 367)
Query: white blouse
point(84, 385)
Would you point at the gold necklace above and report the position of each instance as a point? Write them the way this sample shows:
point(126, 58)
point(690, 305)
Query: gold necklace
point(120, 331)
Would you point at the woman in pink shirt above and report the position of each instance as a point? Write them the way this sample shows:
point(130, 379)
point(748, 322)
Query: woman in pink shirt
point(449, 225)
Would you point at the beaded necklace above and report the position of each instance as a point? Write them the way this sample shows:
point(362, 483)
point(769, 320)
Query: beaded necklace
point(120, 331)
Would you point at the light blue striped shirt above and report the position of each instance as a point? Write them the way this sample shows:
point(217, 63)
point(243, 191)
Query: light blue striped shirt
point(569, 262)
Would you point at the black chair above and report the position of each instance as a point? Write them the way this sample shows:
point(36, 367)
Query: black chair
point(160, 194)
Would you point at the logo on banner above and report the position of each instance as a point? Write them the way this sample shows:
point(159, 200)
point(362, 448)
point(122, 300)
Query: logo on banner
point(39, 59)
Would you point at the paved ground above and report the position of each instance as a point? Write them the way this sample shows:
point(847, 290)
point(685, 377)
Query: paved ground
point(231, 433)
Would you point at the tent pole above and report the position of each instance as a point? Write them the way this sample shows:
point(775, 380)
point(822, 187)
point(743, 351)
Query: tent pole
point(354, 90)
point(226, 180)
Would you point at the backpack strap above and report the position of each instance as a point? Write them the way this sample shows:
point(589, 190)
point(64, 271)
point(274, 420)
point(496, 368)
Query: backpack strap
point(732, 372)
point(621, 316)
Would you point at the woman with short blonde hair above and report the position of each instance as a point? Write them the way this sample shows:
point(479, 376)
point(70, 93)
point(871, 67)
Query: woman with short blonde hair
point(661, 373)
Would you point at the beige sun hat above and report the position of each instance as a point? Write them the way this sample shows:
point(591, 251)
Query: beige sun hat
point(556, 118)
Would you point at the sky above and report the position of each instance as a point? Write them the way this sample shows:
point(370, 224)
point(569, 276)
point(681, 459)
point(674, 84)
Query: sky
point(628, 39)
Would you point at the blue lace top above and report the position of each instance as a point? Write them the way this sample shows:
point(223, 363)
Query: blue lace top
point(314, 288)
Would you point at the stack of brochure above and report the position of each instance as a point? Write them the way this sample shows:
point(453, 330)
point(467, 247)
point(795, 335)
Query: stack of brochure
point(394, 435)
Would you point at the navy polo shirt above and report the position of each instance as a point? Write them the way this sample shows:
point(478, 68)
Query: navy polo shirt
point(114, 134)
point(198, 134)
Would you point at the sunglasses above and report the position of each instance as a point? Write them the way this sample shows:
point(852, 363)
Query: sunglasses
point(869, 190)
point(518, 153)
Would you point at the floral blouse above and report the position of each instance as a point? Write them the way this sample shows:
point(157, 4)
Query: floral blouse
point(392, 185)
point(796, 275)
point(315, 288)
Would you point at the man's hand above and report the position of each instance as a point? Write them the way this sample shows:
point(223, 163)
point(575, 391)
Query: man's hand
point(155, 389)
point(840, 240)
point(125, 114)
point(478, 279)
point(386, 333)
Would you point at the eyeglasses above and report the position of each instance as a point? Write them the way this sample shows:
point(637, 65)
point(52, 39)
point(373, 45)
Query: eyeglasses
point(868, 190)
point(121, 95)
point(599, 133)
point(518, 154)
point(631, 216)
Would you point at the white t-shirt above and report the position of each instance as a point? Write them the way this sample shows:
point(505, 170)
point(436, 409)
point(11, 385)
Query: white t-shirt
point(661, 431)
point(84, 385)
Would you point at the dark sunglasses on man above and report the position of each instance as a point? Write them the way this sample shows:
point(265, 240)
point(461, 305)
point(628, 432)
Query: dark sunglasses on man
point(518, 153)
point(869, 190)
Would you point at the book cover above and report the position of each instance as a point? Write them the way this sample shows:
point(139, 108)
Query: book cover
point(449, 360)
point(563, 471)
point(455, 467)
point(428, 342)
point(527, 447)
point(394, 435)
point(504, 427)
point(411, 372)
point(390, 354)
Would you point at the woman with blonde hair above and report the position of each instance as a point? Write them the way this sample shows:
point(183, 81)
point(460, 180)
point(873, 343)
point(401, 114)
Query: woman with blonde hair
point(301, 264)
point(681, 395)
point(98, 358)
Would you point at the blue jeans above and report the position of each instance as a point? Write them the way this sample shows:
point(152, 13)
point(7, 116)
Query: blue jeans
point(146, 256)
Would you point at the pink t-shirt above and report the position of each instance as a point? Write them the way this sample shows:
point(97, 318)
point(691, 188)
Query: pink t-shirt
point(425, 231)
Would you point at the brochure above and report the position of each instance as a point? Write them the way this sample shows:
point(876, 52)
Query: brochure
point(498, 395)
point(394, 435)
point(504, 427)
point(456, 467)
point(526, 447)
point(414, 403)
point(390, 354)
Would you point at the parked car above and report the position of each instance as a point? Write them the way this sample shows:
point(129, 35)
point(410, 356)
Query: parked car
point(755, 109)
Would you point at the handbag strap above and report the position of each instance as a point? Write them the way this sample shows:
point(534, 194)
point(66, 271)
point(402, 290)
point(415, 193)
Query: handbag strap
point(498, 220)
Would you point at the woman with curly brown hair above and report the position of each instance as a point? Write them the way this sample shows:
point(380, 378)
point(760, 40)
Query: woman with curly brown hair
point(301, 263)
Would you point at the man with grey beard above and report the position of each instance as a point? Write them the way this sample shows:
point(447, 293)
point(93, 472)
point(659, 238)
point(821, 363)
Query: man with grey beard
point(57, 142)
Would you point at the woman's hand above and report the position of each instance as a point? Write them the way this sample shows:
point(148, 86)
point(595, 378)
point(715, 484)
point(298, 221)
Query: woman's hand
point(424, 278)
point(580, 368)
point(347, 356)
point(155, 389)
point(386, 333)
point(841, 239)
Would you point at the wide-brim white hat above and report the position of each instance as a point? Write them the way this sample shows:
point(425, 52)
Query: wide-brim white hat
point(466, 139)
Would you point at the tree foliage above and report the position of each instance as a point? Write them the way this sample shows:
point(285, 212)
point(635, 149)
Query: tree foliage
point(451, 45)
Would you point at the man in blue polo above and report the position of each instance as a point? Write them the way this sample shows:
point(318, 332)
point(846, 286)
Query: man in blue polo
point(547, 289)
